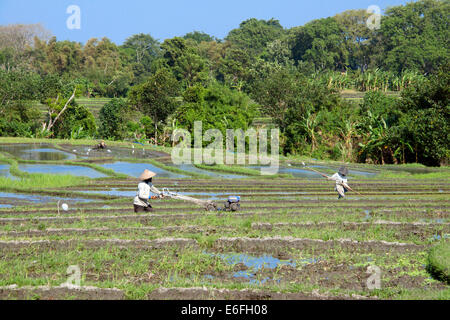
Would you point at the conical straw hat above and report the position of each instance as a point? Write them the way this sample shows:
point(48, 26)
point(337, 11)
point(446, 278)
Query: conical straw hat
point(343, 171)
point(147, 174)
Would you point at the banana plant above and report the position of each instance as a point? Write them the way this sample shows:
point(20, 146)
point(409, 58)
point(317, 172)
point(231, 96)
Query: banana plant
point(401, 149)
point(309, 124)
point(375, 138)
point(347, 134)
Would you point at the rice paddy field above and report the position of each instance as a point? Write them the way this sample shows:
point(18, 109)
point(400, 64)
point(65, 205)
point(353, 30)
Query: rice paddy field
point(66, 208)
point(93, 104)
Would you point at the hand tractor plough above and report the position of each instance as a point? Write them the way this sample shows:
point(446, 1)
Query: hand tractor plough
point(232, 204)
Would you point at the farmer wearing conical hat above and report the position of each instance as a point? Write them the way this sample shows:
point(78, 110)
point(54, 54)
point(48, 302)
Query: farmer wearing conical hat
point(341, 181)
point(141, 203)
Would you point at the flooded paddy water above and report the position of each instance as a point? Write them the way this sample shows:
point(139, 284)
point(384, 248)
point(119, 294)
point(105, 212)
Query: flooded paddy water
point(136, 152)
point(37, 152)
point(256, 264)
point(4, 172)
point(252, 265)
point(47, 152)
point(135, 169)
point(79, 171)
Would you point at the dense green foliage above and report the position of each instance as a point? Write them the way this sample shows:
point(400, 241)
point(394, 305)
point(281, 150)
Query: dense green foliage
point(218, 107)
point(112, 119)
point(415, 37)
point(156, 97)
point(293, 79)
point(427, 107)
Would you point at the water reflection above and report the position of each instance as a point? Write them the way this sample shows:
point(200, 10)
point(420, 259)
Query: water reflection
point(135, 169)
point(37, 152)
point(114, 152)
point(4, 172)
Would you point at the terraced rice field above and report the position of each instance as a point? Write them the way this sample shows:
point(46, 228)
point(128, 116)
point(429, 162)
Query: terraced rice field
point(291, 239)
point(93, 104)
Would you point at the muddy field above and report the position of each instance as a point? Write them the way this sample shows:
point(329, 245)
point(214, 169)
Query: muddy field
point(291, 239)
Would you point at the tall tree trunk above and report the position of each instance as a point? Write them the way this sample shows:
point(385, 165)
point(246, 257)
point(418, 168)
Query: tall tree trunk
point(392, 155)
point(417, 156)
point(403, 151)
point(156, 133)
point(52, 123)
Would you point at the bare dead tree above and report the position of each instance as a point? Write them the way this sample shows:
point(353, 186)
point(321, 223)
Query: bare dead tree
point(51, 122)
point(20, 36)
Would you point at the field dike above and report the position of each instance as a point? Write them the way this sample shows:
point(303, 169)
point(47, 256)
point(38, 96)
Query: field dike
point(143, 218)
point(241, 244)
point(103, 230)
point(204, 293)
point(162, 209)
point(403, 229)
point(99, 243)
point(277, 244)
point(60, 293)
point(270, 226)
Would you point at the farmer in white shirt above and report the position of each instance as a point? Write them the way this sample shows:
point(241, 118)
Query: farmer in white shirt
point(141, 203)
point(341, 181)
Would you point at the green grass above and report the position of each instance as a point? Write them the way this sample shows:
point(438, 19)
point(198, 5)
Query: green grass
point(35, 182)
point(439, 261)
point(108, 172)
point(423, 294)
point(442, 174)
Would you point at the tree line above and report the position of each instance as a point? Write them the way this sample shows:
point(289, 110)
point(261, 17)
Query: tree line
point(259, 70)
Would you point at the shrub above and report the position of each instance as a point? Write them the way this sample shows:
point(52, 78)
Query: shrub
point(112, 120)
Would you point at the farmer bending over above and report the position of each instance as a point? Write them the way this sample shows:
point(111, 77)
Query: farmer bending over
point(141, 203)
point(101, 145)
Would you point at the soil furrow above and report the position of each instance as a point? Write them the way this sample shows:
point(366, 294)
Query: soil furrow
point(280, 244)
point(60, 293)
point(245, 294)
point(99, 243)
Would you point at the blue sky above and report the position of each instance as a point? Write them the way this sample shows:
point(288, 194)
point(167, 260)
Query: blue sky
point(118, 20)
